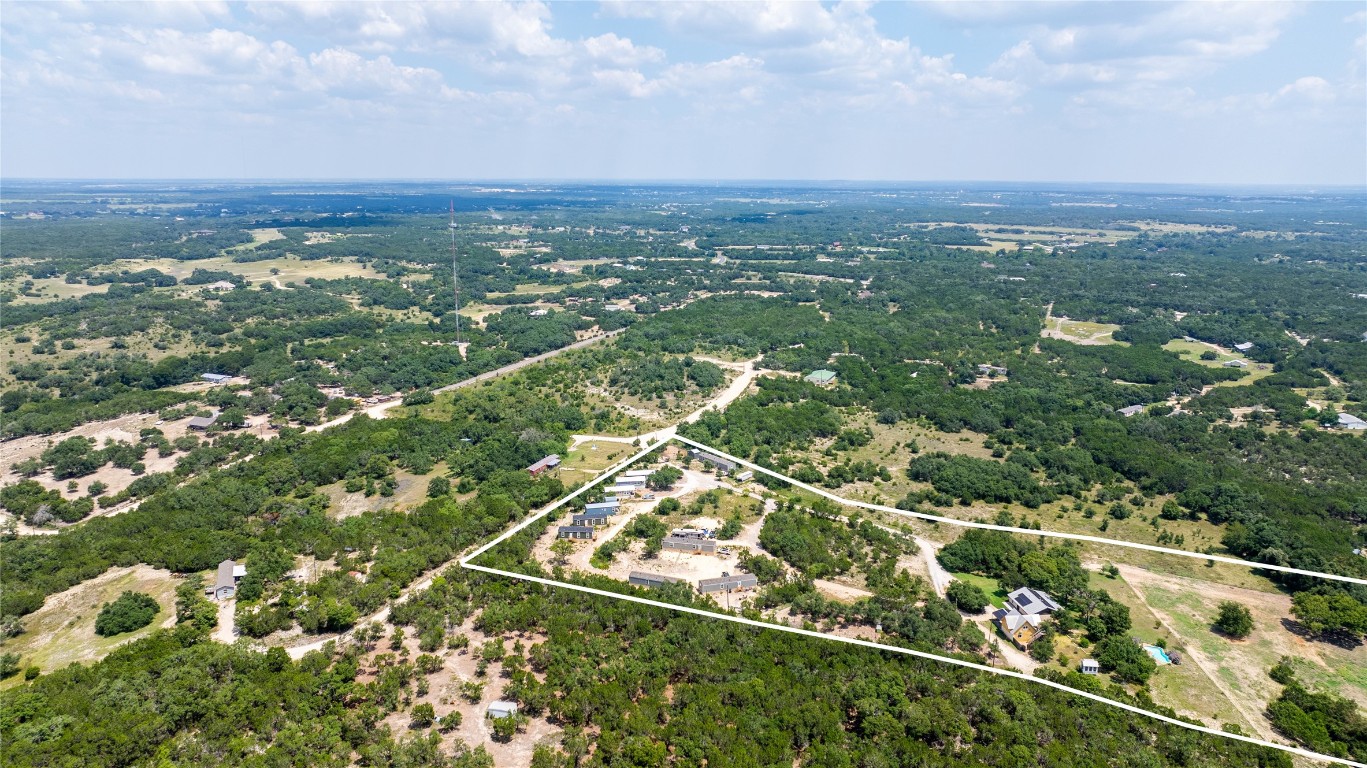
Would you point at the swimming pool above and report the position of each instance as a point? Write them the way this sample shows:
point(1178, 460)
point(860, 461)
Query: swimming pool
point(1159, 655)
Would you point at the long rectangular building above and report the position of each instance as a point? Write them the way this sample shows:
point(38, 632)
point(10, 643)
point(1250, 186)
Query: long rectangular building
point(690, 545)
point(728, 583)
point(643, 579)
point(608, 507)
point(725, 465)
point(591, 518)
point(574, 532)
point(550, 462)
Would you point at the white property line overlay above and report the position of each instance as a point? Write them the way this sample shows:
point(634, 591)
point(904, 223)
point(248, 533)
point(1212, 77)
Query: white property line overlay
point(1025, 531)
point(619, 466)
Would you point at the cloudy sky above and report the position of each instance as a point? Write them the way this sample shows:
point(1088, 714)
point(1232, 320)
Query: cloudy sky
point(1201, 92)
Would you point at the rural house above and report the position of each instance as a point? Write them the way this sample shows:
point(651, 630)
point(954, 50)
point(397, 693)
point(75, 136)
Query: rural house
point(1027, 600)
point(225, 583)
point(202, 422)
point(1131, 410)
point(1022, 628)
point(590, 518)
point(574, 532)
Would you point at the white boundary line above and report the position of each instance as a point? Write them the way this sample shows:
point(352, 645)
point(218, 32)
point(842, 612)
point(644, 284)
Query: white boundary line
point(465, 563)
point(1025, 531)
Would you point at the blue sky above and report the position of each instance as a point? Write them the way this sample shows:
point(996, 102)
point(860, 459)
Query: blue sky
point(1204, 92)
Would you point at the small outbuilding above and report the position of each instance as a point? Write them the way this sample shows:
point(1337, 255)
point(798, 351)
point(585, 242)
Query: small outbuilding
point(499, 709)
point(215, 378)
point(1131, 410)
point(202, 422)
point(1090, 667)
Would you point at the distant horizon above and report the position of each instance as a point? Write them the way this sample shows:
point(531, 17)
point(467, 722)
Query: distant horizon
point(700, 181)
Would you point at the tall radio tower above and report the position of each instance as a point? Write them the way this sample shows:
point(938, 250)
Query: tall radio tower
point(455, 269)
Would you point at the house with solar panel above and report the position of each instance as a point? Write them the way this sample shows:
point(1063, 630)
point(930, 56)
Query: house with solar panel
point(1023, 618)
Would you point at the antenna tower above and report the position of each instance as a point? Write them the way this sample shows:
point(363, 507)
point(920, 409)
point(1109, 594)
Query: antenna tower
point(455, 269)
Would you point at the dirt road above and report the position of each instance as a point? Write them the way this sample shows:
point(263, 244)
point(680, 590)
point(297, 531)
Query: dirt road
point(939, 577)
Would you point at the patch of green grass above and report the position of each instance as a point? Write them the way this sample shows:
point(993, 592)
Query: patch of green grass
point(62, 632)
point(995, 593)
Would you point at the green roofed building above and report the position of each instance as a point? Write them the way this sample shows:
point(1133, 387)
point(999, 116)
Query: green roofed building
point(821, 376)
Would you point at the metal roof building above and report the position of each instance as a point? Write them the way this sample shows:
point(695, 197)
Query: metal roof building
point(643, 579)
point(728, 583)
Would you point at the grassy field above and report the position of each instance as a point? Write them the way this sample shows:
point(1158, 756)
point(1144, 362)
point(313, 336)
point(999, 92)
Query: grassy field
point(292, 269)
point(411, 491)
point(49, 289)
point(589, 458)
point(1187, 609)
point(1085, 330)
point(62, 632)
point(527, 289)
point(1186, 687)
point(139, 344)
point(1192, 350)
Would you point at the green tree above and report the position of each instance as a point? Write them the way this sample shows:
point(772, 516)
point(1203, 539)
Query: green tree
point(1234, 620)
point(562, 549)
point(438, 486)
point(969, 598)
point(132, 610)
point(664, 478)
point(1125, 660)
point(423, 715)
point(1042, 650)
